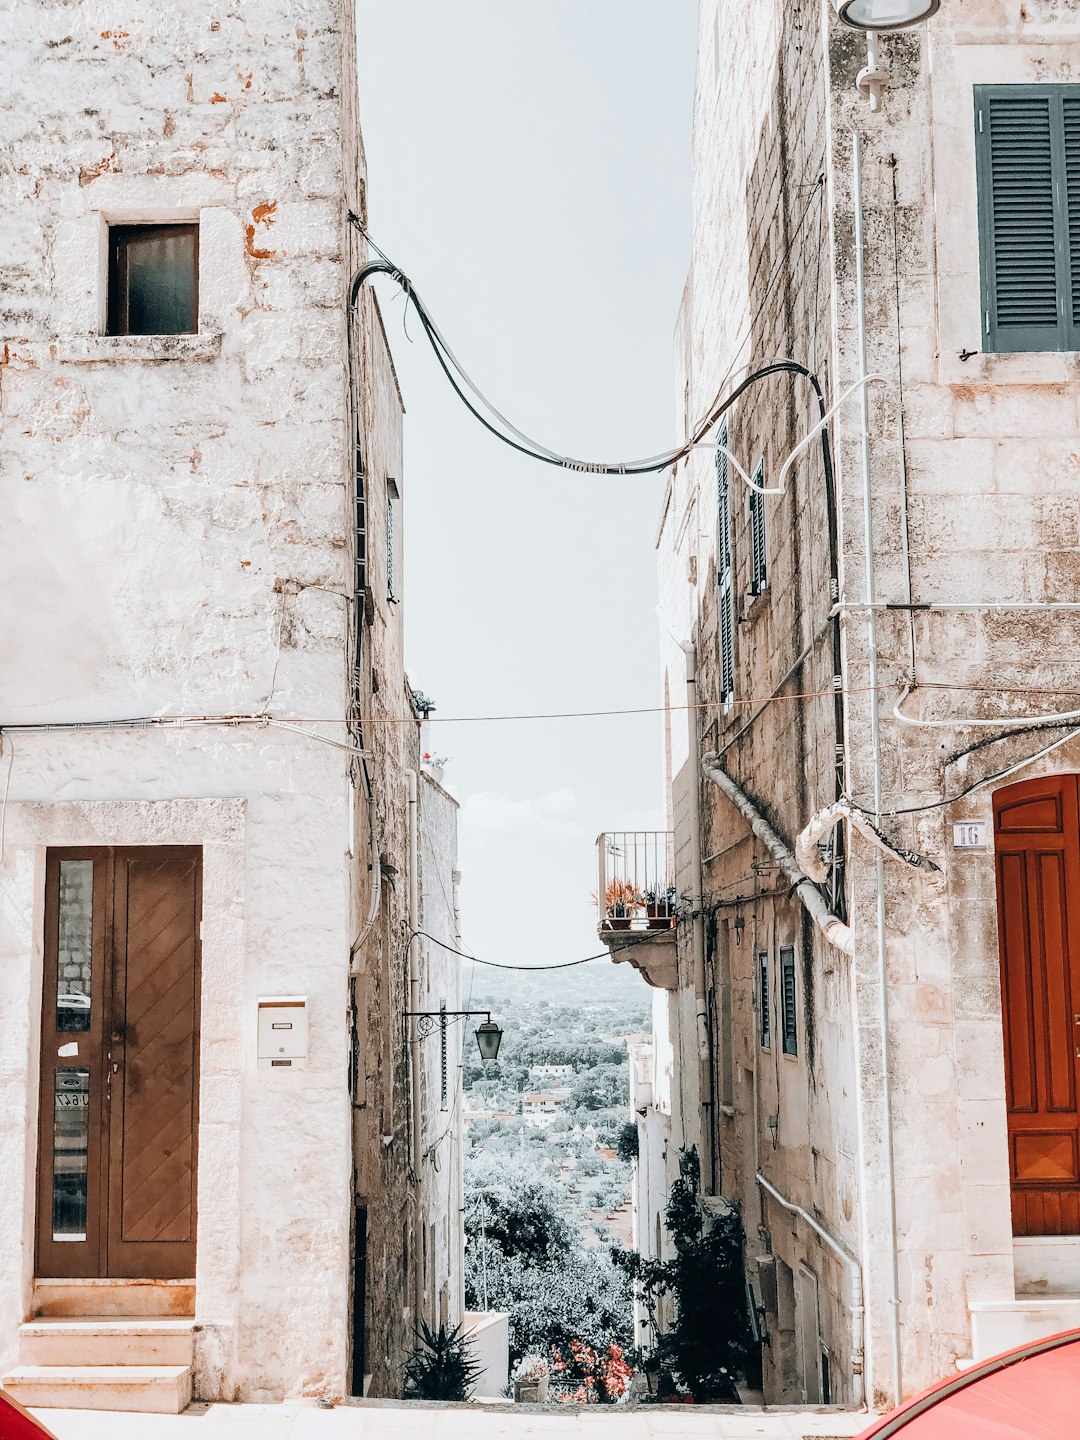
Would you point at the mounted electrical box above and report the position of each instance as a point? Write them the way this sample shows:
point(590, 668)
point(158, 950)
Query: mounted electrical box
point(283, 1032)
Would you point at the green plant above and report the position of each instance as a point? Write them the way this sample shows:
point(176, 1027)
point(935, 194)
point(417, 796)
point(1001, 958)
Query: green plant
point(709, 1341)
point(662, 896)
point(441, 1366)
point(626, 1142)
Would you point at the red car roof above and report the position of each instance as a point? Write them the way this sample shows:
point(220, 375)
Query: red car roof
point(18, 1424)
point(1030, 1393)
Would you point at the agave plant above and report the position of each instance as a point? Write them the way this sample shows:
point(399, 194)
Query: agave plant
point(441, 1366)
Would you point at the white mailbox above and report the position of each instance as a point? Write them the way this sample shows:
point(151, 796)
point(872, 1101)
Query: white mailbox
point(283, 1032)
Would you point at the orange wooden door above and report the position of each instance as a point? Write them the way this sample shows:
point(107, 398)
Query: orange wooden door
point(120, 1024)
point(1037, 844)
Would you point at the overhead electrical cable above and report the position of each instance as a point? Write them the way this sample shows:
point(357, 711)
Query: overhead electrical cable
point(625, 942)
point(503, 429)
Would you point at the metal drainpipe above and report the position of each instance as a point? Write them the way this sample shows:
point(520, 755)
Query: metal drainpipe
point(875, 756)
point(854, 1269)
point(414, 1050)
point(706, 1086)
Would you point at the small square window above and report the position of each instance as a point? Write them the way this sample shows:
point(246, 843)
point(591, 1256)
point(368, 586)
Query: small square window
point(153, 279)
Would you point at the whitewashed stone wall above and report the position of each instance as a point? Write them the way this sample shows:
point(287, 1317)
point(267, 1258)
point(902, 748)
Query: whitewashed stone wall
point(176, 540)
point(994, 489)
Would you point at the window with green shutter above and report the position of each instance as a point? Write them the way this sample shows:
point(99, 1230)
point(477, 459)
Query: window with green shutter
point(725, 571)
point(1027, 151)
point(764, 1001)
point(759, 570)
point(789, 1014)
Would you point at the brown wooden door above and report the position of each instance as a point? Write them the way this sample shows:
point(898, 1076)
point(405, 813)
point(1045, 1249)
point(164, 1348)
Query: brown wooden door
point(118, 1131)
point(1037, 843)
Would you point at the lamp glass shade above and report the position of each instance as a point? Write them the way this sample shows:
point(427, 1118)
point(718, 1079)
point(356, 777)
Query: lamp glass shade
point(489, 1038)
point(885, 14)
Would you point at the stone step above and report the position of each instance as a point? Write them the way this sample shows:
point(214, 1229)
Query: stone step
point(152, 1389)
point(59, 1299)
point(1047, 1265)
point(998, 1325)
point(106, 1340)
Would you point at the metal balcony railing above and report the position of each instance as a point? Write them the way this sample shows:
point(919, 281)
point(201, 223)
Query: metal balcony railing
point(635, 880)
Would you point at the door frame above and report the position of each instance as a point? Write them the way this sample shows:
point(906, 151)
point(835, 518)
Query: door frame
point(63, 1259)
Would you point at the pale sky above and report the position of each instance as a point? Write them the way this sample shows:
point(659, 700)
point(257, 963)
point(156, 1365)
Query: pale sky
point(529, 169)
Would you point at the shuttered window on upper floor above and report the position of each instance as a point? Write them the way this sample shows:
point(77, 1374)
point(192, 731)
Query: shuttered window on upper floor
point(725, 571)
point(1027, 151)
point(789, 1014)
point(759, 567)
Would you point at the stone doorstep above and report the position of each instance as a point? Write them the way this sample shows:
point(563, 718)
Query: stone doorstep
point(106, 1340)
point(156, 1390)
point(77, 1299)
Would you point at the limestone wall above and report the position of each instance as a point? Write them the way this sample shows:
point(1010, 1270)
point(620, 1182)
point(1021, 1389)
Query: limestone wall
point(178, 540)
point(992, 484)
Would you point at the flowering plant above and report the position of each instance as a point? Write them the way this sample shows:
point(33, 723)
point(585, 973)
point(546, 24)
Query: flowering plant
point(604, 1375)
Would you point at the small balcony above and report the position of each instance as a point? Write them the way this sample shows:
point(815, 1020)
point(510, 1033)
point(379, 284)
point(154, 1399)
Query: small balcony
point(637, 901)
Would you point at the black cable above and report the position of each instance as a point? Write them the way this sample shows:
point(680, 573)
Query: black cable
point(1072, 727)
point(566, 964)
point(650, 467)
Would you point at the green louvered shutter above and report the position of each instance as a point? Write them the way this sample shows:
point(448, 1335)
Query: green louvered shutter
point(1070, 117)
point(725, 572)
point(1027, 146)
point(759, 566)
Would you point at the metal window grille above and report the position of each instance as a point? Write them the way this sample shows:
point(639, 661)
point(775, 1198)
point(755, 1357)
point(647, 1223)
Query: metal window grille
point(789, 1012)
point(1027, 152)
point(764, 1006)
point(759, 577)
point(725, 572)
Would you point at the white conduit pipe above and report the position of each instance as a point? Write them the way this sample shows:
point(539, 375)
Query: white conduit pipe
point(778, 488)
point(1002, 720)
point(831, 926)
point(808, 857)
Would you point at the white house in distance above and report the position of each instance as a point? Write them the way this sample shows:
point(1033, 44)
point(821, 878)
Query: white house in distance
point(541, 1111)
point(216, 1149)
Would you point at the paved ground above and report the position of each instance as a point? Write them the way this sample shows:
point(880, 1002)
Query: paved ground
point(297, 1420)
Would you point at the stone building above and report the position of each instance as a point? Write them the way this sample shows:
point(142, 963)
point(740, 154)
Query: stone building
point(208, 854)
point(872, 987)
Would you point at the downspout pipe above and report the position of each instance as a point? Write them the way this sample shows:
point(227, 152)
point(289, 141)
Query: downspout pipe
point(706, 1071)
point(855, 1284)
point(892, 1272)
point(416, 1141)
point(836, 932)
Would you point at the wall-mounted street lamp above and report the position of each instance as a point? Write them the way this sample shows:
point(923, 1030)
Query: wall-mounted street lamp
point(885, 14)
point(873, 16)
point(488, 1034)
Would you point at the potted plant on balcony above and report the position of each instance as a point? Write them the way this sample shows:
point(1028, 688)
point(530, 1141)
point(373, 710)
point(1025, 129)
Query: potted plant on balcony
point(660, 907)
point(621, 902)
point(531, 1380)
